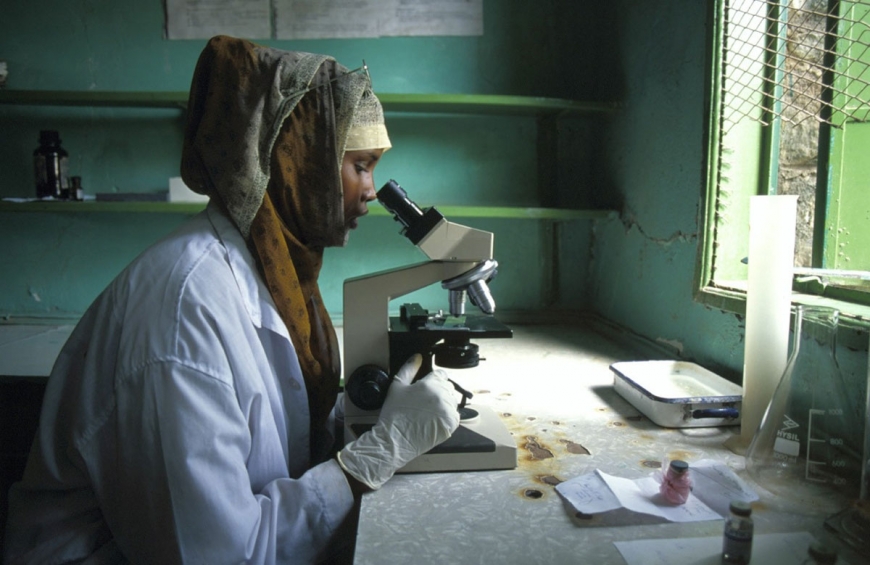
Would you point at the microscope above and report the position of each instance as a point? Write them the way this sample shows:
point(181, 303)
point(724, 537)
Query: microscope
point(376, 345)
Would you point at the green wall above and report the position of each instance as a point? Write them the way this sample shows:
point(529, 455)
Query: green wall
point(647, 161)
point(644, 264)
point(54, 264)
point(652, 162)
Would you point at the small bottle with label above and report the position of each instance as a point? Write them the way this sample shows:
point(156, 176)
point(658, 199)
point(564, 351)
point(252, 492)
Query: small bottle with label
point(51, 166)
point(737, 539)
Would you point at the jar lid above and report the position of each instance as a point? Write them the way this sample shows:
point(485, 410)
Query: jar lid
point(679, 466)
point(740, 508)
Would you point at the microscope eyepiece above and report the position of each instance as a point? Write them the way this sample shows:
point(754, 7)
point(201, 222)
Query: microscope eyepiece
point(417, 223)
point(394, 198)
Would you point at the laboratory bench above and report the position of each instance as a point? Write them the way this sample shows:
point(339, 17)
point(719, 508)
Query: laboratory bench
point(27, 353)
point(552, 386)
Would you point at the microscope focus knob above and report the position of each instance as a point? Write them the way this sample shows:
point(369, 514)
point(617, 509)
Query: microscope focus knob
point(367, 387)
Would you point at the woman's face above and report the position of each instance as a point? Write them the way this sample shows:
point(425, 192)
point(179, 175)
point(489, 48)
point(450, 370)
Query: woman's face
point(358, 184)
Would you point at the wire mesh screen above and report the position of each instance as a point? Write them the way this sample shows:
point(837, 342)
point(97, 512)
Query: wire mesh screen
point(778, 53)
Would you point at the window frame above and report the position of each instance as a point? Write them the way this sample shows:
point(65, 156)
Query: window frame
point(730, 295)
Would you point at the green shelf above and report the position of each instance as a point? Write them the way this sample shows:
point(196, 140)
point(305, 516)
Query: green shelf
point(422, 103)
point(93, 206)
point(490, 104)
point(502, 212)
point(481, 104)
point(94, 98)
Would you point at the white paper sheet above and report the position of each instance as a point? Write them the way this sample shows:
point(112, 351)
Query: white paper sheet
point(589, 494)
point(203, 19)
point(303, 19)
point(306, 19)
point(715, 485)
point(642, 495)
point(767, 549)
point(444, 17)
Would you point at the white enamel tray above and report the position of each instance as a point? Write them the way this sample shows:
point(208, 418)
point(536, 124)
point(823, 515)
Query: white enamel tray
point(678, 394)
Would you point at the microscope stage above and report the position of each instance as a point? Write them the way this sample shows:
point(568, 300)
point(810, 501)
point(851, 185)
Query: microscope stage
point(475, 327)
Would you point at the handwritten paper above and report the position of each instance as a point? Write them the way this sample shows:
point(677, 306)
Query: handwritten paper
point(303, 19)
point(715, 485)
point(589, 493)
point(202, 19)
point(769, 549)
point(335, 19)
point(427, 17)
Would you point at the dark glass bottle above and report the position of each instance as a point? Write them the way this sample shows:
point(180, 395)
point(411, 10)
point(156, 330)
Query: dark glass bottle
point(737, 540)
point(51, 166)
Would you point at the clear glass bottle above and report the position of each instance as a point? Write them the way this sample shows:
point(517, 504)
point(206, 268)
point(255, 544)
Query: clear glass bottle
point(737, 538)
point(51, 166)
point(803, 450)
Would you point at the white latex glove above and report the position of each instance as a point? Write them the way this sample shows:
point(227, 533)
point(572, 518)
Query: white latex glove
point(414, 419)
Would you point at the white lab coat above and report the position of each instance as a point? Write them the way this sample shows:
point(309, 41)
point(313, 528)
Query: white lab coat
point(175, 425)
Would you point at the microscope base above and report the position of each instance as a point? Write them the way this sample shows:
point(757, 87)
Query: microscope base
point(478, 445)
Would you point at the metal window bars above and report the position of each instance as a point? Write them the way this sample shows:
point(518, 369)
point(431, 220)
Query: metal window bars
point(780, 55)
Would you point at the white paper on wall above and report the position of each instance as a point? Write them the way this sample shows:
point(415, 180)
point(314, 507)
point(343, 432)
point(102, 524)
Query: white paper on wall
point(322, 19)
point(304, 19)
point(203, 19)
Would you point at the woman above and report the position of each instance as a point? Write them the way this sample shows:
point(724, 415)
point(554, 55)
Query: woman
point(189, 417)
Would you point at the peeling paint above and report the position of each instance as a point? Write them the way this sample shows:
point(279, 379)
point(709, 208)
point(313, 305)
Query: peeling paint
point(629, 221)
point(33, 294)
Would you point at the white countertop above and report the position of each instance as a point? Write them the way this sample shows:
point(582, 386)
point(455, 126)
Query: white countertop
point(29, 350)
point(553, 388)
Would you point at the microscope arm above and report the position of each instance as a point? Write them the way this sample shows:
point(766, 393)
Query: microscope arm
point(366, 308)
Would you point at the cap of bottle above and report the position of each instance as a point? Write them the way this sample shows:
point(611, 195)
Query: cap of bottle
point(679, 466)
point(740, 508)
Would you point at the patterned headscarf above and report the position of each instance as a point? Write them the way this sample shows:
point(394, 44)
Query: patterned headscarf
point(266, 134)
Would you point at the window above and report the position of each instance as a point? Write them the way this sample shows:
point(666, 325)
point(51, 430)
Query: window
point(790, 114)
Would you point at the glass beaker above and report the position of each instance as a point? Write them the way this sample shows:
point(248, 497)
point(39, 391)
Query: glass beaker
point(852, 525)
point(803, 450)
